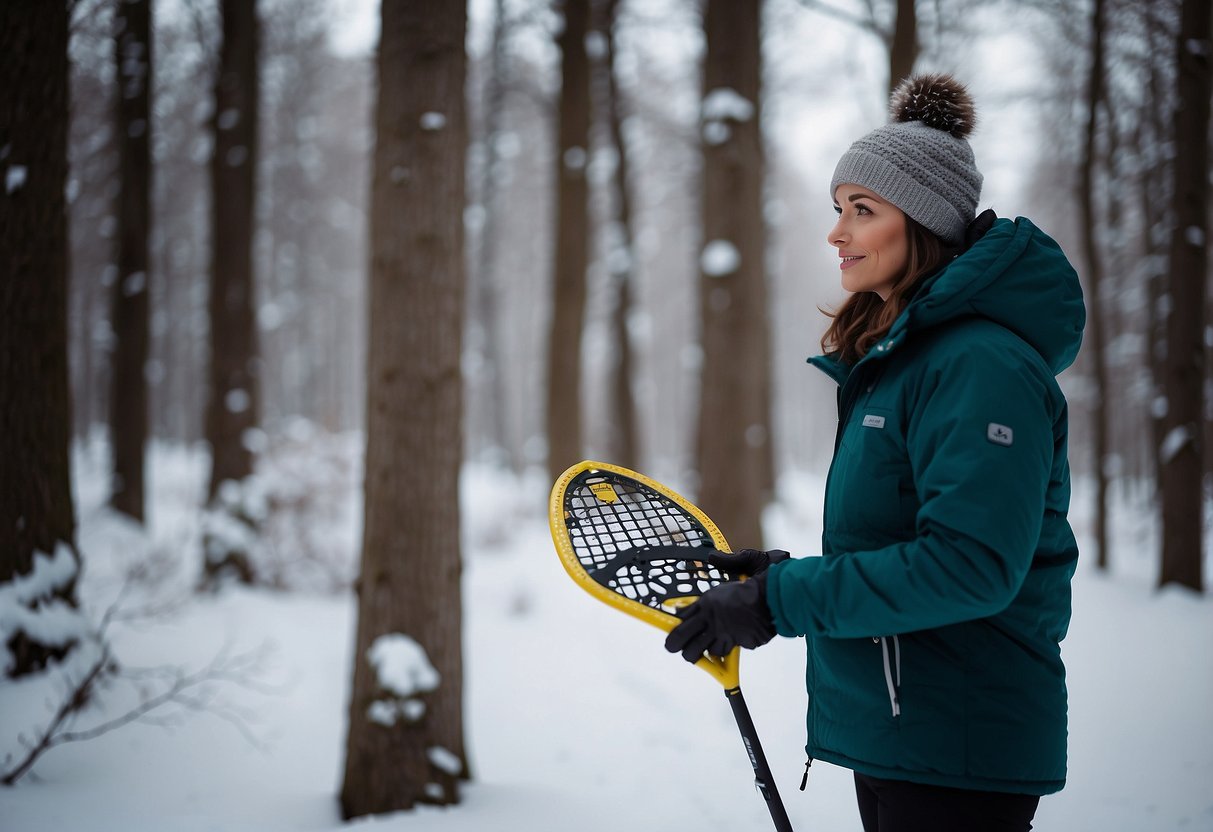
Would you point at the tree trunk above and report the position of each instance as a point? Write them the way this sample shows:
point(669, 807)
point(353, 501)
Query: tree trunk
point(234, 397)
point(1182, 448)
point(36, 513)
point(903, 47)
point(1095, 317)
point(483, 302)
point(406, 746)
point(735, 466)
point(572, 244)
point(621, 261)
point(129, 394)
point(1153, 191)
point(233, 402)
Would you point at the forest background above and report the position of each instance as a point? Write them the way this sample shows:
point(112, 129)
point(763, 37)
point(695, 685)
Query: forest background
point(629, 200)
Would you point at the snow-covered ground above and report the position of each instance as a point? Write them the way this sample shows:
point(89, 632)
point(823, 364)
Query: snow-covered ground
point(576, 716)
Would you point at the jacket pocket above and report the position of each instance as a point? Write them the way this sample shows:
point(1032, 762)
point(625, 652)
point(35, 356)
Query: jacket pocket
point(871, 488)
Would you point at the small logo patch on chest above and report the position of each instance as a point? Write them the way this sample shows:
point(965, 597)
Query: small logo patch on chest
point(999, 434)
point(873, 421)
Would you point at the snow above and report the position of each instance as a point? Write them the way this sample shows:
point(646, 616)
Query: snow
point(14, 178)
point(236, 400)
point(444, 760)
point(134, 283)
point(1194, 235)
point(382, 712)
point(716, 132)
point(720, 106)
point(50, 573)
point(402, 666)
point(725, 103)
point(432, 121)
point(575, 158)
point(27, 604)
point(567, 700)
point(719, 258)
point(1173, 443)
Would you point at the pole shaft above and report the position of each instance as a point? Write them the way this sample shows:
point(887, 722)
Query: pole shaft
point(763, 778)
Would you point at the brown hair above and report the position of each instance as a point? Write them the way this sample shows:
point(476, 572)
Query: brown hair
point(863, 319)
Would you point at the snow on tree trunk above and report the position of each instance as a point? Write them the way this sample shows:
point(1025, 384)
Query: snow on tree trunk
point(1184, 370)
point(36, 514)
point(129, 387)
point(408, 677)
point(735, 465)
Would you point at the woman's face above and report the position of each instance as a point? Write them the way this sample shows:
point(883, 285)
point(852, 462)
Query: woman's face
point(870, 236)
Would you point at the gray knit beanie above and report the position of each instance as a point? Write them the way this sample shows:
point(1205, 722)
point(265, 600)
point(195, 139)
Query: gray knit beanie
point(921, 161)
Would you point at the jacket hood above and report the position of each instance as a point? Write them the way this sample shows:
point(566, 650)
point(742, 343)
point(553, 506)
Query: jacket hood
point(1015, 275)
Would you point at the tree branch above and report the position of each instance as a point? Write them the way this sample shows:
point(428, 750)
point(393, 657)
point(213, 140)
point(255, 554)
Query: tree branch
point(190, 691)
point(868, 23)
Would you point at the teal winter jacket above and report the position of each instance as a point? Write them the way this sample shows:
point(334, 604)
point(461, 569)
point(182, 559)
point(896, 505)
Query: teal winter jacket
point(935, 615)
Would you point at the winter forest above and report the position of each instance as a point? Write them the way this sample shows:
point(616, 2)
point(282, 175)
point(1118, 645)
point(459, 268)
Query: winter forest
point(305, 305)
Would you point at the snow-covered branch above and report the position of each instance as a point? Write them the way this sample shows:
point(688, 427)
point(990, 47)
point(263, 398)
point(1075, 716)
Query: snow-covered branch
point(164, 694)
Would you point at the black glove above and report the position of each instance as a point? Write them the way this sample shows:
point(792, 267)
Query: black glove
point(724, 617)
point(745, 562)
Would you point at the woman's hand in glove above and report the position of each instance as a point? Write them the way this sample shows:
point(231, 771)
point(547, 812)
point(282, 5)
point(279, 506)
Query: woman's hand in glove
point(726, 616)
point(745, 562)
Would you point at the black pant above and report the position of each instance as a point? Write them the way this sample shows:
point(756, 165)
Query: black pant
point(899, 806)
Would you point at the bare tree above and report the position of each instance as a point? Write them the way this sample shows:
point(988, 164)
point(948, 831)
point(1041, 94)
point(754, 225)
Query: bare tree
point(130, 307)
point(572, 243)
point(621, 253)
point(1091, 250)
point(36, 515)
point(183, 81)
point(734, 434)
point(405, 744)
point(483, 332)
point(232, 405)
point(903, 44)
point(900, 36)
point(1184, 371)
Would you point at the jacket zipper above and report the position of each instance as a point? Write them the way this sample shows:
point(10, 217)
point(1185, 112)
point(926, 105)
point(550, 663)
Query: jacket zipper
point(892, 671)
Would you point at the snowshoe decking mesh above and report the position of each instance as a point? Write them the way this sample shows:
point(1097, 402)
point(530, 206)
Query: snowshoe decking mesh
point(634, 540)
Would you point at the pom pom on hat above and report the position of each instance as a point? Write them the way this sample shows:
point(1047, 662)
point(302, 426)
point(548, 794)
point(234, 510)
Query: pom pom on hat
point(938, 101)
point(921, 161)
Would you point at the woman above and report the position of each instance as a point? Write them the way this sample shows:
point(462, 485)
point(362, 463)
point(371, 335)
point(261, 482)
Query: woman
point(933, 619)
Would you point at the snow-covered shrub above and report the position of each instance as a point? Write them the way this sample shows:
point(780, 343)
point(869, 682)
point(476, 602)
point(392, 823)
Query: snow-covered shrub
point(309, 483)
